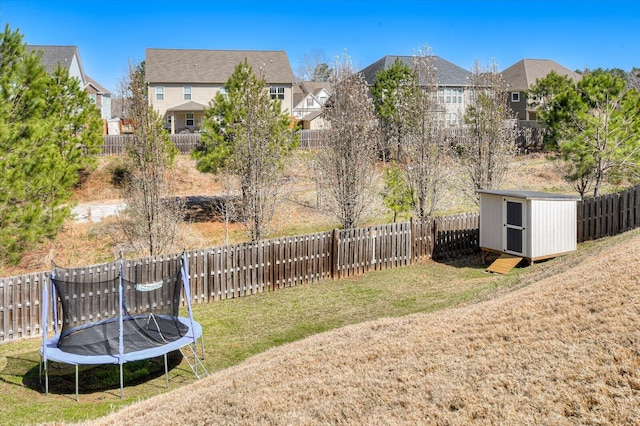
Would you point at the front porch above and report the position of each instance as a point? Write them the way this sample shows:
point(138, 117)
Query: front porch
point(185, 118)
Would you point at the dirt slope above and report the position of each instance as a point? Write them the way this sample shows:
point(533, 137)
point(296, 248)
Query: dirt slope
point(564, 350)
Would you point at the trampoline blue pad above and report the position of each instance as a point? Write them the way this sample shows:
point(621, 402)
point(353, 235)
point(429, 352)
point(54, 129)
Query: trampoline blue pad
point(143, 337)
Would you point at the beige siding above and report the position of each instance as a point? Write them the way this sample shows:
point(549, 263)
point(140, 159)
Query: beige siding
point(491, 222)
point(200, 93)
point(553, 227)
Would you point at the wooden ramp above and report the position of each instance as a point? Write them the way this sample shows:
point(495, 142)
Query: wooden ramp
point(504, 264)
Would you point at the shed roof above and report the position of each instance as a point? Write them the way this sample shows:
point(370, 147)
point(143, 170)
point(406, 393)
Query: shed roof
point(529, 195)
point(214, 66)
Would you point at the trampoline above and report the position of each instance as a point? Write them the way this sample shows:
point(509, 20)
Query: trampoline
point(112, 314)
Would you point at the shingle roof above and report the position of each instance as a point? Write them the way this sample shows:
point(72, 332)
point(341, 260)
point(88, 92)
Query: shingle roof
point(524, 73)
point(54, 55)
point(98, 87)
point(188, 106)
point(447, 73)
point(214, 66)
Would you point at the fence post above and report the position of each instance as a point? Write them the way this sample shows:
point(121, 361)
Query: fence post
point(335, 235)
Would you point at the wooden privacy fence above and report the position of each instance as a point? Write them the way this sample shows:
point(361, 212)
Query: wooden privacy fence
point(237, 270)
point(609, 214)
point(114, 144)
point(187, 142)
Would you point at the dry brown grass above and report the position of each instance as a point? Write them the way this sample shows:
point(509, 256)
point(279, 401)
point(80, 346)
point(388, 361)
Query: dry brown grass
point(88, 243)
point(564, 350)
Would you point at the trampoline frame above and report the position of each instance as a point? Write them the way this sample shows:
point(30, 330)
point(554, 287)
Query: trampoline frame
point(50, 351)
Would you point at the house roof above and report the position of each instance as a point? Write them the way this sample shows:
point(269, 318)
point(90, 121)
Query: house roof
point(524, 73)
point(54, 55)
point(214, 66)
point(188, 107)
point(528, 195)
point(98, 87)
point(315, 86)
point(447, 73)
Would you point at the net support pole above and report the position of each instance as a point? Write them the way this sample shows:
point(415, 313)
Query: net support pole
point(120, 326)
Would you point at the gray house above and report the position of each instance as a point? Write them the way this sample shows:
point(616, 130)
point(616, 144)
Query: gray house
point(452, 80)
point(68, 57)
point(522, 75)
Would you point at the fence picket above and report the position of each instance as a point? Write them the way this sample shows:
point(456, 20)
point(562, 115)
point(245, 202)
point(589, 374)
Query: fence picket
point(242, 269)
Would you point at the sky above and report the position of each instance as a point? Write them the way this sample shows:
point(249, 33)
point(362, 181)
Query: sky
point(112, 34)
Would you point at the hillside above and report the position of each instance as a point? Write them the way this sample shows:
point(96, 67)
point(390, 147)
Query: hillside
point(562, 350)
point(95, 241)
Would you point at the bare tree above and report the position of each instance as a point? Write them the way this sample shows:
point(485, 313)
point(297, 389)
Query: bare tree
point(151, 222)
point(423, 137)
point(345, 166)
point(314, 66)
point(486, 143)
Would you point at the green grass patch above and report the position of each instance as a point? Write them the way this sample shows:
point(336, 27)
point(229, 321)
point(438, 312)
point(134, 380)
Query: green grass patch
point(236, 329)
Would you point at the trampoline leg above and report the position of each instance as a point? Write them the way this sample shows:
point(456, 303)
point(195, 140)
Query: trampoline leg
point(77, 399)
point(121, 382)
point(166, 371)
point(202, 342)
point(46, 378)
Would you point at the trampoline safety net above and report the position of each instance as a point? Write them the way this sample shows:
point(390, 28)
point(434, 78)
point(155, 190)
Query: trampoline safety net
point(91, 306)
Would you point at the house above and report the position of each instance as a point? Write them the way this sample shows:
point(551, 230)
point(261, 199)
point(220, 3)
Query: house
point(527, 224)
point(182, 82)
point(452, 81)
point(308, 99)
point(522, 75)
point(68, 57)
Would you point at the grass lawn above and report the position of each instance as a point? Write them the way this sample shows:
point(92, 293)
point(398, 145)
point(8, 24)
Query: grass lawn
point(235, 330)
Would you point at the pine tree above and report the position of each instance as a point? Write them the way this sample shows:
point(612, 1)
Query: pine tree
point(246, 134)
point(48, 130)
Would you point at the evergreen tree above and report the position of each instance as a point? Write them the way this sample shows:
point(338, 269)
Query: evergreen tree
point(596, 125)
point(246, 134)
point(397, 195)
point(48, 130)
point(388, 93)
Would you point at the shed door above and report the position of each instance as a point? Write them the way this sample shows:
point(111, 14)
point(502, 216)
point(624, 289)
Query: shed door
point(514, 230)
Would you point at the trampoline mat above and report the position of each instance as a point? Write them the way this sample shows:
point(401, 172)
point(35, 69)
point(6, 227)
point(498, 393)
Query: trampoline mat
point(139, 333)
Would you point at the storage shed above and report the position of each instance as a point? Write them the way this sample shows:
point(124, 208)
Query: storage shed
point(527, 224)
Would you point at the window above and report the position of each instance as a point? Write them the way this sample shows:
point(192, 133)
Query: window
point(187, 93)
point(190, 120)
point(447, 92)
point(223, 92)
point(93, 98)
point(459, 91)
point(169, 120)
point(309, 101)
point(276, 92)
point(515, 96)
point(159, 93)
